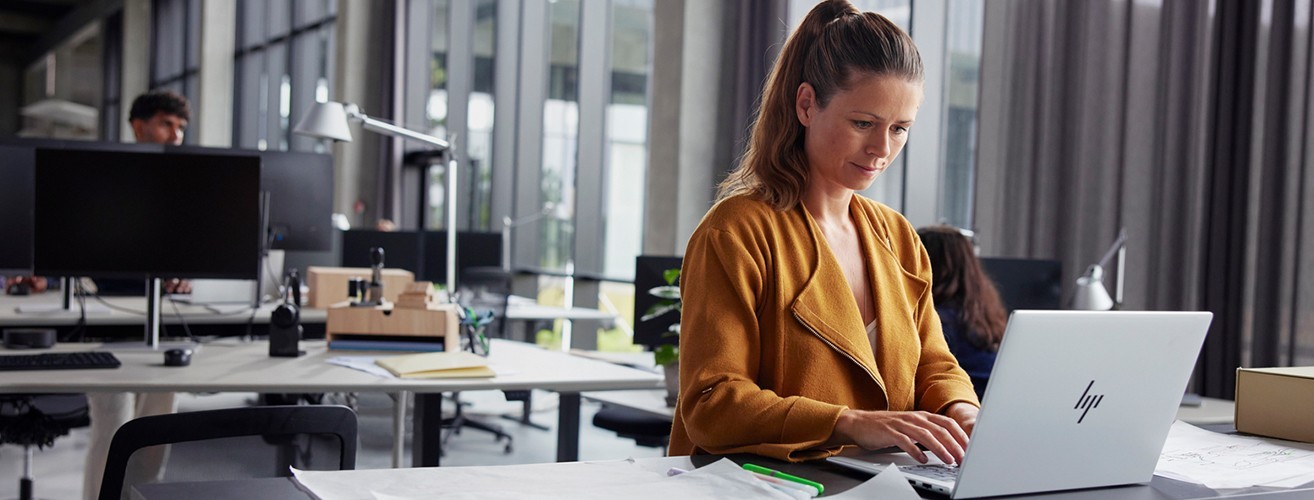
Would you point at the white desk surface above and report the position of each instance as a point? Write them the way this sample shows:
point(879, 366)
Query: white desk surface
point(233, 366)
point(99, 314)
point(525, 308)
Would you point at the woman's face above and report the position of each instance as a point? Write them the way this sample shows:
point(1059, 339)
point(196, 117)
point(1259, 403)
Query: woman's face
point(857, 135)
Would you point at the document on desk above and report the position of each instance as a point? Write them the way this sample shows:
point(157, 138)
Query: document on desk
point(1224, 461)
point(579, 480)
point(368, 364)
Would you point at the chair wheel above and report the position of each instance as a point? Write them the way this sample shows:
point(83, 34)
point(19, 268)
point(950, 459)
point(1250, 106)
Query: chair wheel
point(507, 450)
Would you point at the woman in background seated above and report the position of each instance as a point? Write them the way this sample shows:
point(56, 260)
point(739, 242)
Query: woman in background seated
point(971, 313)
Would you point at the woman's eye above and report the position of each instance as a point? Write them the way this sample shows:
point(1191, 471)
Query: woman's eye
point(900, 130)
point(862, 125)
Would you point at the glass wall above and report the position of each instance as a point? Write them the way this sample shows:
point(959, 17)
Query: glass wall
point(282, 65)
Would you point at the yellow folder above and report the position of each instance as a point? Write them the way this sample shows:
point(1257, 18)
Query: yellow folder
point(458, 364)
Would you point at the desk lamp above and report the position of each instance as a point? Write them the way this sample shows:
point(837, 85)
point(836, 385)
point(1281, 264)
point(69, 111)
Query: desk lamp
point(1090, 293)
point(328, 120)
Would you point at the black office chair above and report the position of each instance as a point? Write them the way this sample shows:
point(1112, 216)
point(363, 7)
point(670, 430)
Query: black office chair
point(36, 420)
point(293, 432)
point(483, 289)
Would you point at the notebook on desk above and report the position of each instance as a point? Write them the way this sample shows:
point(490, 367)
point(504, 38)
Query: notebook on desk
point(1077, 399)
point(456, 364)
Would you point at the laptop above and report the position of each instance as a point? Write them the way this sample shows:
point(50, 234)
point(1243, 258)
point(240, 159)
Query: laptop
point(1077, 399)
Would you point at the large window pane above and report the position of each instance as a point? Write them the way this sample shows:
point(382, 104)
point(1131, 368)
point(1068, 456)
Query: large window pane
point(435, 108)
point(627, 135)
point(963, 40)
point(479, 132)
point(560, 133)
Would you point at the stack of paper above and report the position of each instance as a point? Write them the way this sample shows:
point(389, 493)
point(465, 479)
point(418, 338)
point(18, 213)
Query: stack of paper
point(458, 364)
point(1224, 461)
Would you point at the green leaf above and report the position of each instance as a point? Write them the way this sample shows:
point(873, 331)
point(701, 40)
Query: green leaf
point(659, 309)
point(665, 292)
point(666, 354)
point(671, 275)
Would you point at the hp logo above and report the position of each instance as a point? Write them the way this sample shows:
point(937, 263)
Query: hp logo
point(1087, 401)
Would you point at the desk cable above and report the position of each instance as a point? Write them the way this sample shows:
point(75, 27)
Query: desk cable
point(80, 330)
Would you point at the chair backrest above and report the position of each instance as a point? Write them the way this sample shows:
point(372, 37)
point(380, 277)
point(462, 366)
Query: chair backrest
point(266, 421)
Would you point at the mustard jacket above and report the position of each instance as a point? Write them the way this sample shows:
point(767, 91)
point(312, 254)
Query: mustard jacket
point(772, 346)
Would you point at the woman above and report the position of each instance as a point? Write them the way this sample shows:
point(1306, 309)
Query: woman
point(971, 313)
point(807, 320)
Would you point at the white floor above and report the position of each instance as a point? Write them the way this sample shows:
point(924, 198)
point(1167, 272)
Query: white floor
point(58, 470)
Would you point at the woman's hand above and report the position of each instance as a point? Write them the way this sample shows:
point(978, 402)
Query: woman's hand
point(964, 414)
point(874, 430)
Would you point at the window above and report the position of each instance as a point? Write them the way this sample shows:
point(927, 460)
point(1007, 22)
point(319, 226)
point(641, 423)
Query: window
point(175, 49)
point(963, 72)
point(282, 65)
point(627, 136)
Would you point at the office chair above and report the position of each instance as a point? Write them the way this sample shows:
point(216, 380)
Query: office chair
point(36, 420)
point(483, 289)
point(280, 427)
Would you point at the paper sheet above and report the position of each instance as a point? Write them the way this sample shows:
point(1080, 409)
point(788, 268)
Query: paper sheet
point(890, 484)
point(367, 365)
point(1223, 461)
point(582, 480)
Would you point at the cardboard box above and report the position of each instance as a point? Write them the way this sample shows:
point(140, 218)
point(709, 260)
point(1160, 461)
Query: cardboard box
point(328, 285)
point(1276, 402)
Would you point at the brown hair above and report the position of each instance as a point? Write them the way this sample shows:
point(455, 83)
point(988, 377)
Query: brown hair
point(959, 280)
point(834, 42)
point(145, 106)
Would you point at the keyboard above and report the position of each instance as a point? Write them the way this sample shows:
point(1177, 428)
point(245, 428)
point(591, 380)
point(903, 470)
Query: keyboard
point(58, 361)
point(934, 471)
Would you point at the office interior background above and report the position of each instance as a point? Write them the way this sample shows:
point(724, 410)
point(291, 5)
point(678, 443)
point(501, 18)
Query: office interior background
point(1047, 127)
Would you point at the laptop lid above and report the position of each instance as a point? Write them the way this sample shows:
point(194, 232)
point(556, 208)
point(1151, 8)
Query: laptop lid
point(1080, 399)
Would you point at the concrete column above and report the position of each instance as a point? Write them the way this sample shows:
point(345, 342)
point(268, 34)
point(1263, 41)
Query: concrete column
point(688, 150)
point(359, 78)
point(212, 109)
point(136, 59)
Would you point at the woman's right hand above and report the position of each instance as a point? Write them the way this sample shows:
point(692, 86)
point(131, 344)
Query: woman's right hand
point(874, 430)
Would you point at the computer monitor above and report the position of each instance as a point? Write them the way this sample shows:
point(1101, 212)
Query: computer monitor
point(1026, 283)
point(649, 273)
point(473, 249)
point(401, 249)
point(300, 187)
point(16, 197)
point(135, 215)
point(16, 209)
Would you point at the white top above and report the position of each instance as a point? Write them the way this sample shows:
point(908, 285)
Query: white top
point(871, 337)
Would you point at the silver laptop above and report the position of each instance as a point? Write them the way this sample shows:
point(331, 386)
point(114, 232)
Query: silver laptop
point(1077, 399)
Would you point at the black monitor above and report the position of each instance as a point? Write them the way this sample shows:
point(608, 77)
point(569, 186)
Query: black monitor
point(17, 164)
point(16, 209)
point(134, 214)
point(300, 187)
point(473, 249)
point(401, 249)
point(1026, 283)
point(649, 273)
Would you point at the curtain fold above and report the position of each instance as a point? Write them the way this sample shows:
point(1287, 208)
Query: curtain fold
point(1188, 124)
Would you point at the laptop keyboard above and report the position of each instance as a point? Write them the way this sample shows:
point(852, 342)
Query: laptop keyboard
point(934, 471)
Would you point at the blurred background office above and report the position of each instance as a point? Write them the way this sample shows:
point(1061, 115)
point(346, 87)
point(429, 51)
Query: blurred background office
point(1047, 127)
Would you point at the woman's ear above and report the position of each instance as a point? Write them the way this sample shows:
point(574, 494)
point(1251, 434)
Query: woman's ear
point(805, 103)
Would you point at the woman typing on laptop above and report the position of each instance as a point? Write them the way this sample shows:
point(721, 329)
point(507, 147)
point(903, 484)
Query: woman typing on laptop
point(807, 320)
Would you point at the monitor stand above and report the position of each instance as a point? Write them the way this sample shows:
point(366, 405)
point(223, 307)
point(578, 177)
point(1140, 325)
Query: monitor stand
point(152, 312)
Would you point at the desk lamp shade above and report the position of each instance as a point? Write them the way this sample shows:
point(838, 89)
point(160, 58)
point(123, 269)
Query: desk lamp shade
point(1090, 294)
point(325, 120)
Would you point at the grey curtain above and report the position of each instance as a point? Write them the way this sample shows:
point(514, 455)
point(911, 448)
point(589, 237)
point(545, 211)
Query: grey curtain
point(1185, 122)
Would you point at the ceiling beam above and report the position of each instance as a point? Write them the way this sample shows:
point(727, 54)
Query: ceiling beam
point(20, 24)
point(70, 25)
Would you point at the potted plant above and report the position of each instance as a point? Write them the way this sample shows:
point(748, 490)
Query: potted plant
point(667, 356)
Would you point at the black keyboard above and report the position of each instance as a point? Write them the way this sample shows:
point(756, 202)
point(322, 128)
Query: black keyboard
point(58, 361)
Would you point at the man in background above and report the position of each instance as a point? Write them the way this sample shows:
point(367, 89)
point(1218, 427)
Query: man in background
point(156, 117)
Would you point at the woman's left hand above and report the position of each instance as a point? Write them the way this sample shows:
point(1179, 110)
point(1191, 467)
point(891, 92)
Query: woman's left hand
point(964, 414)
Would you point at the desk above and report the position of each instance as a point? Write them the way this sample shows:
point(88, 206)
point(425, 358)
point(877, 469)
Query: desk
point(835, 478)
point(231, 320)
point(232, 366)
point(529, 311)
